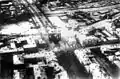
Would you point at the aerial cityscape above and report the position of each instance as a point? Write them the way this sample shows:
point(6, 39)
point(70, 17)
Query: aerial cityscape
point(59, 39)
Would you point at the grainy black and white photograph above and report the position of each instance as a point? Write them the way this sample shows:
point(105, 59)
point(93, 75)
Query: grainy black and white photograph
point(59, 39)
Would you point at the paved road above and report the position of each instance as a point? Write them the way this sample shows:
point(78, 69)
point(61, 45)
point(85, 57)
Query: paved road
point(60, 11)
point(74, 68)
